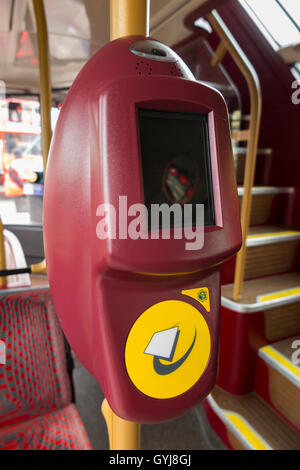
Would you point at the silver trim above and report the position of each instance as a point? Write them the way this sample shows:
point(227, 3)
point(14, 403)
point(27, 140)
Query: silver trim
point(261, 239)
point(243, 151)
point(259, 306)
point(279, 367)
point(259, 190)
point(6, 292)
point(146, 44)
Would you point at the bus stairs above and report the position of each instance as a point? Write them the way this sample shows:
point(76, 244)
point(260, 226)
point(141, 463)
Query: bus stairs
point(255, 404)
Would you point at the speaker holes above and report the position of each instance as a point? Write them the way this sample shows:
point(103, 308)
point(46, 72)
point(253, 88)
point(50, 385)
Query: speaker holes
point(143, 68)
point(174, 70)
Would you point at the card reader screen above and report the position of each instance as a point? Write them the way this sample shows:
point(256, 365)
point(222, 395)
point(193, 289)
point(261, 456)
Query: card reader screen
point(176, 166)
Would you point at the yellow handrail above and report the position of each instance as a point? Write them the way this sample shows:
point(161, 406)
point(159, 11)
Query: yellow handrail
point(252, 79)
point(45, 91)
point(45, 80)
point(127, 17)
point(46, 101)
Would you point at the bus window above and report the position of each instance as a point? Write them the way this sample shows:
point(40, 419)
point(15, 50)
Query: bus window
point(21, 160)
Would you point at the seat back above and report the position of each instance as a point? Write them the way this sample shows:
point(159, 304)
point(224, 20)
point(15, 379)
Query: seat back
point(34, 380)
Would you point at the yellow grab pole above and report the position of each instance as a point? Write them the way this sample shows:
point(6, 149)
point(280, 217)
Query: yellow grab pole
point(253, 82)
point(45, 91)
point(46, 101)
point(127, 17)
point(2, 256)
point(123, 435)
point(39, 268)
point(45, 80)
point(218, 55)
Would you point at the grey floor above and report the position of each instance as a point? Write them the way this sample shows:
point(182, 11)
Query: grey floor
point(189, 432)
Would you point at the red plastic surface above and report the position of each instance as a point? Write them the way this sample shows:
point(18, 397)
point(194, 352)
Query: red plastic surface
point(241, 335)
point(95, 158)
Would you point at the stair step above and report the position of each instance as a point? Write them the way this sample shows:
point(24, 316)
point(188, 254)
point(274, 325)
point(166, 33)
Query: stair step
point(239, 155)
point(264, 294)
point(277, 297)
point(264, 190)
point(278, 377)
point(270, 235)
point(237, 116)
point(270, 250)
point(292, 293)
point(243, 151)
point(240, 135)
point(250, 423)
point(268, 203)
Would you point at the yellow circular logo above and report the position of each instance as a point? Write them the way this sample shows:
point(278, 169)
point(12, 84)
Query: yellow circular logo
point(167, 349)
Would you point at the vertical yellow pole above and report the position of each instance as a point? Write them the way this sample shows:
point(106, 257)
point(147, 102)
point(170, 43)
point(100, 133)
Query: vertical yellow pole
point(45, 79)
point(253, 82)
point(127, 17)
point(45, 91)
point(123, 435)
point(2, 256)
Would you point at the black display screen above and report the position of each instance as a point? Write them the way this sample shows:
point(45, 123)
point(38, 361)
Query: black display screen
point(175, 154)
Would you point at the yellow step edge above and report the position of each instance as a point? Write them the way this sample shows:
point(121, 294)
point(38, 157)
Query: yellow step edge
point(239, 426)
point(274, 234)
point(277, 357)
point(254, 439)
point(272, 237)
point(278, 294)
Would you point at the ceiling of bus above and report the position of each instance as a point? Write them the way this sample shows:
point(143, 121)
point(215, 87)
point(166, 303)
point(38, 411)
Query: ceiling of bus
point(77, 28)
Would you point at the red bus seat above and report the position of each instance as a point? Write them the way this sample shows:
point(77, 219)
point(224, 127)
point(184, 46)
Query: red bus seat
point(35, 389)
